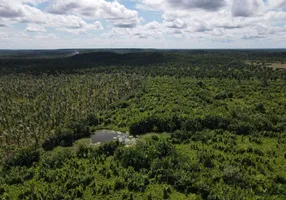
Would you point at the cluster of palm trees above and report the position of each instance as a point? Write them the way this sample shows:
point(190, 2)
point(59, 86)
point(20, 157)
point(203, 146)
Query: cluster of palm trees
point(31, 107)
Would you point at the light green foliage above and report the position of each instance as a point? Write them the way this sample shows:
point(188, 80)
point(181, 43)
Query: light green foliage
point(250, 107)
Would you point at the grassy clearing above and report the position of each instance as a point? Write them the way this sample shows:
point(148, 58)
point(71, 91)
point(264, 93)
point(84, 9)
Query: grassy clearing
point(278, 65)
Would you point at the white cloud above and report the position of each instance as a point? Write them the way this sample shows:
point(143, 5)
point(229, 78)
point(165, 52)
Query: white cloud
point(247, 8)
point(276, 4)
point(208, 22)
point(233, 18)
point(9, 10)
point(209, 5)
point(114, 12)
point(152, 31)
point(35, 28)
point(82, 28)
point(178, 24)
point(69, 14)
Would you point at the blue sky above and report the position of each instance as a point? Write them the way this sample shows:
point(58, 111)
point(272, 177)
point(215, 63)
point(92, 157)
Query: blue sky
point(191, 24)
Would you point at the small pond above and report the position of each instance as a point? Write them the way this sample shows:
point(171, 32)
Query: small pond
point(103, 136)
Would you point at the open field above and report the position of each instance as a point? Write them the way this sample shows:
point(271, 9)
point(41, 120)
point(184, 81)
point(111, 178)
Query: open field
point(274, 65)
point(278, 65)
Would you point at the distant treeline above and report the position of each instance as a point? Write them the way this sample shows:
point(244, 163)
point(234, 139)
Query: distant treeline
point(197, 64)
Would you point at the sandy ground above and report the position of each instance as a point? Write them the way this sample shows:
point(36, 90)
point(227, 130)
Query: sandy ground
point(278, 65)
point(272, 65)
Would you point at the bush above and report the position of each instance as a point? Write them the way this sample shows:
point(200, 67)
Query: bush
point(179, 137)
point(65, 137)
point(215, 122)
point(119, 184)
point(62, 137)
point(260, 108)
point(136, 181)
point(163, 169)
point(25, 157)
point(82, 151)
point(18, 175)
point(108, 148)
point(141, 127)
point(79, 130)
point(261, 123)
point(223, 95)
point(207, 159)
point(2, 190)
point(241, 128)
point(192, 125)
point(232, 175)
point(133, 157)
point(57, 157)
point(141, 155)
point(155, 124)
point(92, 120)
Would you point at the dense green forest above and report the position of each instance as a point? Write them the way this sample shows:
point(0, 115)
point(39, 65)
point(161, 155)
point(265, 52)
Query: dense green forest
point(210, 125)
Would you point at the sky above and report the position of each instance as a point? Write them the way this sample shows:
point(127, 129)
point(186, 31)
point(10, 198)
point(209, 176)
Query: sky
point(163, 24)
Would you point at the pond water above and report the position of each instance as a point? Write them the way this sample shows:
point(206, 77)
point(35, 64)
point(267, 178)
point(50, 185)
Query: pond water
point(103, 136)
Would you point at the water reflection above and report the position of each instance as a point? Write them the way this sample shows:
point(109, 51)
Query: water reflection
point(103, 136)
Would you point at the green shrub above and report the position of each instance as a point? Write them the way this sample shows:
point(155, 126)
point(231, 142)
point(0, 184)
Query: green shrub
point(242, 128)
point(79, 130)
point(179, 137)
point(136, 181)
point(24, 157)
point(108, 148)
point(155, 124)
point(192, 125)
point(2, 190)
point(62, 137)
point(65, 137)
point(215, 122)
point(57, 157)
point(92, 120)
point(119, 184)
point(223, 95)
point(141, 155)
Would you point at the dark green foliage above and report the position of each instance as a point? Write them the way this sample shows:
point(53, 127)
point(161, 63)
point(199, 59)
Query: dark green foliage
point(141, 156)
point(2, 190)
point(166, 193)
point(66, 136)
point(136, 181)
point(108, 148)
point(223, 95)
point(215, 122)
point(24, 157)
point(119, 184)
point(56, 158)
point(93, 120)
point(242, 128)
point(155, 124)
point(62, 137)
point(260, 108)
point(179, 137)
point(18, 175)
point(80, 130)
point(192, 125)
